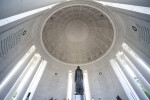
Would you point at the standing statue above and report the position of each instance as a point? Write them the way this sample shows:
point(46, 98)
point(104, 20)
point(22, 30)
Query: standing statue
point(79, 81)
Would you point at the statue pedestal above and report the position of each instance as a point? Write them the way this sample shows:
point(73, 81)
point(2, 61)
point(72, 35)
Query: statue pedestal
point(78, 97)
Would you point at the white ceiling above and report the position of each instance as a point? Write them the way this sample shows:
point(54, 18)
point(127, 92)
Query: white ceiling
point(77, 34)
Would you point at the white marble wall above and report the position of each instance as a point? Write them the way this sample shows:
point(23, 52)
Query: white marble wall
point(138, 40)
point(105, 86)
point(9, 59)
point(13, 7)
point(17, 50)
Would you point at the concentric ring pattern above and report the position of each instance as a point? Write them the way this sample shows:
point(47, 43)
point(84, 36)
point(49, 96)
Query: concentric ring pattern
point(77, 34)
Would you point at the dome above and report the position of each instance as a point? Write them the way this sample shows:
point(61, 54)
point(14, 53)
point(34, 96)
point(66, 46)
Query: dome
point(77, 34)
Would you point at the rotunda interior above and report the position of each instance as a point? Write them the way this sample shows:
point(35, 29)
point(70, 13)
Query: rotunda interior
point(42, 42)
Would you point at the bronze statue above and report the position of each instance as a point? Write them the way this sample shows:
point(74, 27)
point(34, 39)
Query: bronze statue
point(79, 81)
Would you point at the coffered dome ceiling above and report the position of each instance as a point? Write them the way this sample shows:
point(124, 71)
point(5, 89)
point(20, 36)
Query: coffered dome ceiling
point(77, 34)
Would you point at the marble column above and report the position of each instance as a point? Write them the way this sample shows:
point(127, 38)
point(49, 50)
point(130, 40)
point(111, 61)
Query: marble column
point(132, 81)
